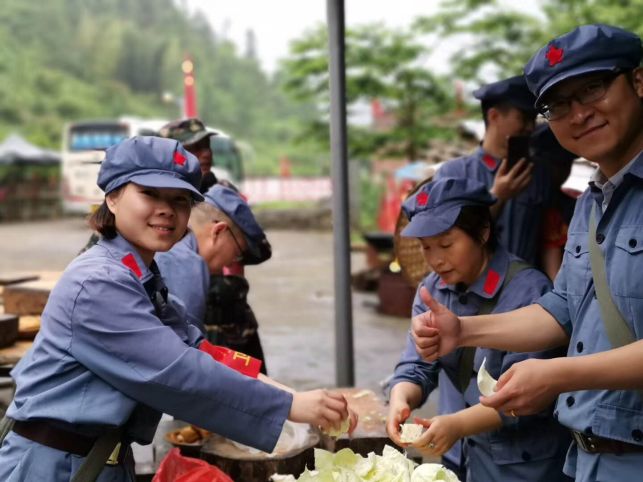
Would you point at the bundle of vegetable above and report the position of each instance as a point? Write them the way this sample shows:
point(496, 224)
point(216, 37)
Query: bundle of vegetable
point(391, 466)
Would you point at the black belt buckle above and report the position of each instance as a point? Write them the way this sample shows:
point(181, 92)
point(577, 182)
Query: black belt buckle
point(585, 442)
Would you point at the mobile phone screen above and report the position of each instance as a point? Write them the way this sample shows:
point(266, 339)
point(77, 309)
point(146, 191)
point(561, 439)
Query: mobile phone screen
point(517, 148)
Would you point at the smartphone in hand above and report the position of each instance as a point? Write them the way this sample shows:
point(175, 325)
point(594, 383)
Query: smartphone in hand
point(517, 148)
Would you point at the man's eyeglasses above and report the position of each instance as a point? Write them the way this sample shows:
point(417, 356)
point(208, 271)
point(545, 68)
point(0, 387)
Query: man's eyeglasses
point(239, 258)
point(592, 91)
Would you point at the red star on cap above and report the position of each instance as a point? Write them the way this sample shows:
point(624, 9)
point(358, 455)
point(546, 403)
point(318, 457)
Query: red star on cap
point(423, 199)
point(179, 158)
point(554, 55)
point(130, 261)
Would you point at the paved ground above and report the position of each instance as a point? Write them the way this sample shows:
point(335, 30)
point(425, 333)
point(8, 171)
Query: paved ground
point(292, 296)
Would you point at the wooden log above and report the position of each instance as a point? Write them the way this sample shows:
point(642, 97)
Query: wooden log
point(12, 354)
point(8, 329)
point(261, 470)
point(13, 277)
point(27, 298)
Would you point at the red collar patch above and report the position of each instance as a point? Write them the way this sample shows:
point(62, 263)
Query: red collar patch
point(130, 261)
point(179, 158)
point(489, 161)
point(554, 55)
point(422, 199)
point(491, 283)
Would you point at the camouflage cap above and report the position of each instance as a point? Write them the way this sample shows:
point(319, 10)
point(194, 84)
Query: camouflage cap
point(186, 131)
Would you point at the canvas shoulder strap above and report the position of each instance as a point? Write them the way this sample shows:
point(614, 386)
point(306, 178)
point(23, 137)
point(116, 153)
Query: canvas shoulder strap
point(617, 329)
point(106, 445)
point(465, 367)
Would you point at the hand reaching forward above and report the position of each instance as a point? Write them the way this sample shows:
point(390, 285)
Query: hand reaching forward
point(322, 408)
point(435, 332)
point(528, 387)
point(398, 412)
point(442, 432)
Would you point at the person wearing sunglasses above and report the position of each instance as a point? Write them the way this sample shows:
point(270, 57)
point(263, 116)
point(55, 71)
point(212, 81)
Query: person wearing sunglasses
point(589, 85)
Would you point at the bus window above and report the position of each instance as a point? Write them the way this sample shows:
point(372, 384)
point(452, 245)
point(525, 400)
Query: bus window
point(95, 137)
point(227, 156)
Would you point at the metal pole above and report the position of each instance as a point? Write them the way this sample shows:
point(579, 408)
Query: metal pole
point(344, 365)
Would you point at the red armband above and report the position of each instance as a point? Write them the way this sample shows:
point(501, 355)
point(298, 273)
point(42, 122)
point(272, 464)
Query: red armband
point(236, 360)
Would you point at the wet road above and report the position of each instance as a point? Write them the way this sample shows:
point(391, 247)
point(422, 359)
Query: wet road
point(291, 294)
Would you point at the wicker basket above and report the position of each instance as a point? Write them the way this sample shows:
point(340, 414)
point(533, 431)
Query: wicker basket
point(408, 251)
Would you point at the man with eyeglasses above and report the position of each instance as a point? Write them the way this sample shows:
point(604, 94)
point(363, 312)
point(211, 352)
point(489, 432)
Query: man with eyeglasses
point(222, 231)
point(522, 189)
point(589, 84)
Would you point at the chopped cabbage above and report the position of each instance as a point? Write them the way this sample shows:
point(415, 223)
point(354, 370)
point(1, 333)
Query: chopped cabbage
point(343, 428)
point(410, 432)
point(433, 472)
point(486, 383)
point(391, 466)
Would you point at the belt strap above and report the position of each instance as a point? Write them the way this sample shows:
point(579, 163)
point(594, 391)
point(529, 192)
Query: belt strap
point(467, 356)
point(48, 434)
point(597, 445)
point(97, 451)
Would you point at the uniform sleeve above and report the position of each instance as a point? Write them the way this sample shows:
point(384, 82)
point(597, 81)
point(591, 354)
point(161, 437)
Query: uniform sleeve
point(527, 287)
point(555, 301)
point(117, 336)
point(411, 368)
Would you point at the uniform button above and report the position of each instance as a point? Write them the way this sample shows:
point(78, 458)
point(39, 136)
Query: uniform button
point(462, 299)
point(526, 456)
point(579, 347)
point(637, 435)
point(578, 249)
point(600, 237)
point(471, 442)
point(570, 401)
point(632, 243)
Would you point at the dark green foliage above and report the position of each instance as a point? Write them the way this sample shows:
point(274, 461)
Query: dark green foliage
point(65, 60)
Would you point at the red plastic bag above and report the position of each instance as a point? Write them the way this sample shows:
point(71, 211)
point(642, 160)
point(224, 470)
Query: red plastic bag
point(177, 468)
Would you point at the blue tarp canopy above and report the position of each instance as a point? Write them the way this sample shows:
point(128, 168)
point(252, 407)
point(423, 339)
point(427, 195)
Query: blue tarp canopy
point(414, 171)
point(16, 150)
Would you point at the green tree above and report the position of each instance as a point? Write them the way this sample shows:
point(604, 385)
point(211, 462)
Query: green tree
point(504, 39)
point(383, 64)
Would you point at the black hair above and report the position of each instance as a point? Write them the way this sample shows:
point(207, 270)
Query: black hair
point(502, 106)
point(473, 220)
point(103, 220)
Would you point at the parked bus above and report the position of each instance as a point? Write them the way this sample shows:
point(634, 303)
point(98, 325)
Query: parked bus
point(83, 149)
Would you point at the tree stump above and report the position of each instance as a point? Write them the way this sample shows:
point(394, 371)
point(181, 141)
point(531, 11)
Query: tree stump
point(293, 453)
